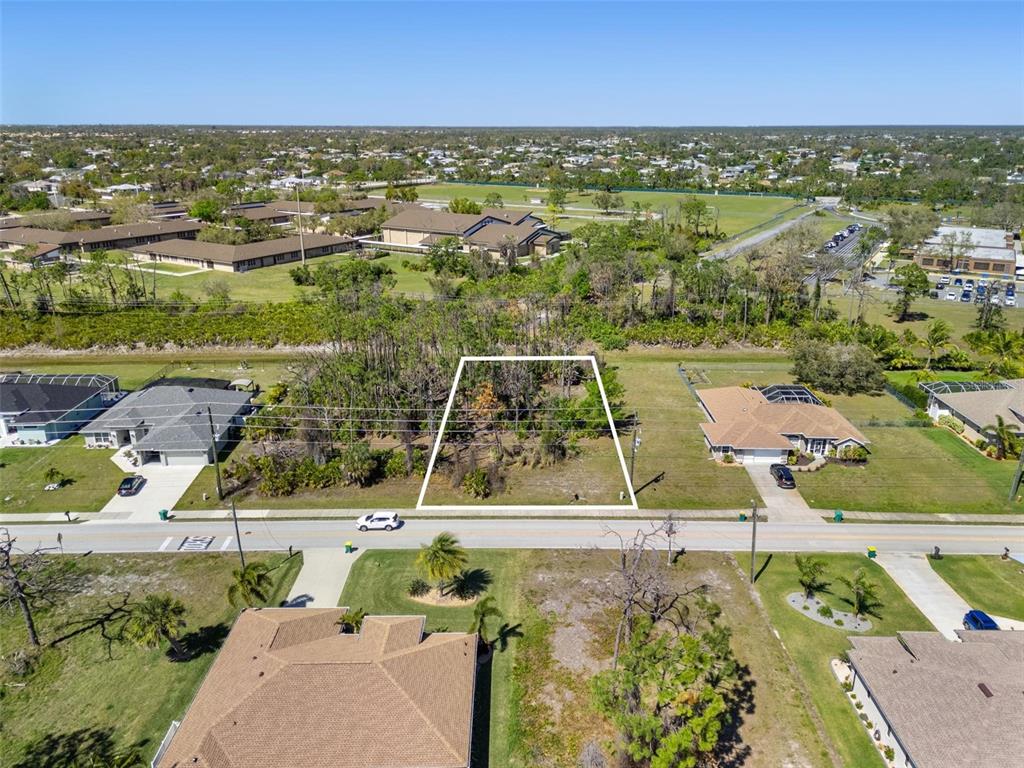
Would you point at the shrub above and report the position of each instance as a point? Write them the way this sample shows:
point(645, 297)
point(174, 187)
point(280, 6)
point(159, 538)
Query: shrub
point(418, 588)
point(838, 622)
point(848, 687)
point(728, 458)
point(825, 611)
point(476, 484)
point(792, 459)
point(853, 453)
point(953, 423)
point(889, 752)
point(859, 705)
point(863, 716)
point(981, 444)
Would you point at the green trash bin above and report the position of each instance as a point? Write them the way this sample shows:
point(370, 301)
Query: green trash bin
point(838, 516)
point(872, 553)
point(743, 517)
point(348, 547)
point(164, 514)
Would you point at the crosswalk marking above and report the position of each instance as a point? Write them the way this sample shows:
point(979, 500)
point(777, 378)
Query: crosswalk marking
point(226, 543)
point(195, 544)
point(166, 544)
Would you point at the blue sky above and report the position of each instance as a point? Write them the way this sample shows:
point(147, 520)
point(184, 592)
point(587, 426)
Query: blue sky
point(497, 63)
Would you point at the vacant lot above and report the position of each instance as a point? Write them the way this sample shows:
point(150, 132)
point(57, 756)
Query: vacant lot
point(86, 699)
point(540, 711)
point(672, 445)
point(914, 469)
point(811, 645)
point(91, 478)
point(985, 581)
point(736, 212)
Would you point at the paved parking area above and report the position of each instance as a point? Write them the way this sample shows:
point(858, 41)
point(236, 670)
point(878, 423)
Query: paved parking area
point(783, 505)
point(162, 489)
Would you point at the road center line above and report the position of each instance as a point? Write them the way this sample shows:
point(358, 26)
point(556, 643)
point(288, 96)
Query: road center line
point(166, 544)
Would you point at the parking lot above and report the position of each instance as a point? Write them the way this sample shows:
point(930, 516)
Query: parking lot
point(968, 290)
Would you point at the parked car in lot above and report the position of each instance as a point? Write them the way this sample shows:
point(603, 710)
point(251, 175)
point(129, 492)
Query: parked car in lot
point(975, 619)
point(1010, 301)
point(783, 477)
point(951, 296)
point(958, 281)
point(966, 297)
point(131, 485)
point(379, 521)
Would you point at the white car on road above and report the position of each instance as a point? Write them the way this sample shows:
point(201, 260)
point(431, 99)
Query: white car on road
point(379, 521)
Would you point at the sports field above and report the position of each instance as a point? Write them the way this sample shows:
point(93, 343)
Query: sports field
point(736, 213)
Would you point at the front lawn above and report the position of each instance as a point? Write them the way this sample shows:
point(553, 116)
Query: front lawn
point(81, 703)
point(986, 582)
point(811, 645)
point(914, 469)
point(91, 477)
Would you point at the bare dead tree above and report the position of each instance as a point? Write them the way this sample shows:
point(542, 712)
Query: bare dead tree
point(643, 585)
point(31, 579)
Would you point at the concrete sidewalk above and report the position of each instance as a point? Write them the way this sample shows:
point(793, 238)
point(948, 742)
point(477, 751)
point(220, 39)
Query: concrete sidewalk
point(322, 578)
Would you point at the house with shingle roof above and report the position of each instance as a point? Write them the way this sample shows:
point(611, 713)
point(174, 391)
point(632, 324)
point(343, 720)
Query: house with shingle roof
point(757, 426)
point(288, 688)
point(940, 703)
point(978, 404)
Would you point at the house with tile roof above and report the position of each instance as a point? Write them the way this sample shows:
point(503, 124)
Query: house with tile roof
point(288, 688)
point(938, 702)
point(762, 426)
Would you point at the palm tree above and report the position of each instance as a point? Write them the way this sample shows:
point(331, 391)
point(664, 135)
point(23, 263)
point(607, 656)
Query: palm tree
point(1004, 346)
point(250, 585)
point(351, 621)
point(940, 333)
point(1003, 438)
point(157, 618)
point(863, 594)
point(483, 611)
point(812, 574)
point(442, 559)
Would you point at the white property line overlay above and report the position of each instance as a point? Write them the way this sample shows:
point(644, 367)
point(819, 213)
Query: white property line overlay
point(525, 507)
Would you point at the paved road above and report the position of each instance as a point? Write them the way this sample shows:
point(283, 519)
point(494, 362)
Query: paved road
point(524, 534)
point(757, 238)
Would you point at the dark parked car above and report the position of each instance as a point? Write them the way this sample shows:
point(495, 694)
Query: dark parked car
point(978, 620)
point(130, 485)
point(783, 477)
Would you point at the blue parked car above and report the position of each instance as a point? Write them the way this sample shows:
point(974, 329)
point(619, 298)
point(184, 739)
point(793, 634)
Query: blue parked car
point(978, 620)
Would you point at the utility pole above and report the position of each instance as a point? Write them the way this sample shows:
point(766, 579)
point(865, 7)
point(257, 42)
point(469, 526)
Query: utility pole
point(753, 540)
point(238, 538)
point(213, 447)
point(1017, 476)
point(634, 444)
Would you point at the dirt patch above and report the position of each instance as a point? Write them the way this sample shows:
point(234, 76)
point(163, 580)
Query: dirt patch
point(434, 597)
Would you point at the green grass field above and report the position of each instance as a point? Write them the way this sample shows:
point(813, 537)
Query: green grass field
point(914, 469)
point(91, 478)
point(737, 213)
point(378, 584)
point(671, 441)
point(811, 645)
point(79, 696)
point(985, 581)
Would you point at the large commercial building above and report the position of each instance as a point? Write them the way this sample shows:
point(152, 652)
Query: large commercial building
point(495, 231)
point(242, 258)
point(983, 251)
point(125, 237)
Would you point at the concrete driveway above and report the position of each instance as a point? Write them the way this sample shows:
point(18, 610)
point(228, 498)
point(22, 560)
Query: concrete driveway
point(322, 578)
point(162, 489)
point(940, 604)
point(782, 505)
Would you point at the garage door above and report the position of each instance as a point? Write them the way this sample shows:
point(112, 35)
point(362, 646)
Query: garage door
point(184, 459)
point(762, 457)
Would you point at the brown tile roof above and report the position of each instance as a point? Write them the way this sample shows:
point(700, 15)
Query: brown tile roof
point(927, 687)
point(743, 418)
point(288, 691)
point(231, 254)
